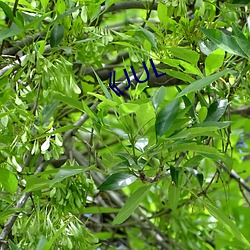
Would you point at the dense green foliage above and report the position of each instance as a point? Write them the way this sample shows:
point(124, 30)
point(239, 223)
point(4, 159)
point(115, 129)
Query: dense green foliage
point(165, 166)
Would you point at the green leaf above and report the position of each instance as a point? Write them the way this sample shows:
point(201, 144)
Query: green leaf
point(186, 54)
point(128, 108)
point(104, 99)
point(108, 3)
point(245, 45)
point(36, 21)
point(158, 97)
point(204, 150)
point(132, 203)
point(179, 75)
point(49, 110)
point(194, 161)
point(145, 34)
point(198, 175)
point(33, 183)
point(202, 114)
point(98, 210)
point(173, 196)
point(189, 68)
point(66, 172)
point(8, 180)
point(223, 41)
point(88, 111)
point(166, 117)
point(193, 132)
point(7, 10)
point(70, 101)
point(68, 12)
point(41, 243)
point(227, 223)
point(49, 244)
point(214, 61)
point(188, 105)
point(162, 12)
point(13, 246)
point(56, 35)
point(9, 32)
point(198, 85)
point(216, 110)
point(117, 181)
point(238, 33)
point(19, 20)
point(44, 3)
point(174, 172)
point(207, 46)
point(219, 125)
point(9, 211)
point(104, 88)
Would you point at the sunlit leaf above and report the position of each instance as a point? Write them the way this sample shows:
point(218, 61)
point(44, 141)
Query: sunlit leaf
point(214, 61)
point(198, 85)
point(202, 114)
point(129, 108)
point(223, 41)
point(186, 54)
point(158, 97)
point(44, 3)
point(162, 12)
point(8, 180)
point(117, 181)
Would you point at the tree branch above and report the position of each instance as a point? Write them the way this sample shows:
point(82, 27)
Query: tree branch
point(79, 123)
point(21, 44)
point(16, 63)
point(236, 177)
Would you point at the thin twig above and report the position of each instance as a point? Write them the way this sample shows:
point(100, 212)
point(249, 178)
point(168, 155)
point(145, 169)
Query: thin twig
point(16, 63)
point(244, 195)
point(80, 122)
point(37, 97)
point(204, 192)
point(235, 176)
point(148, 14)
